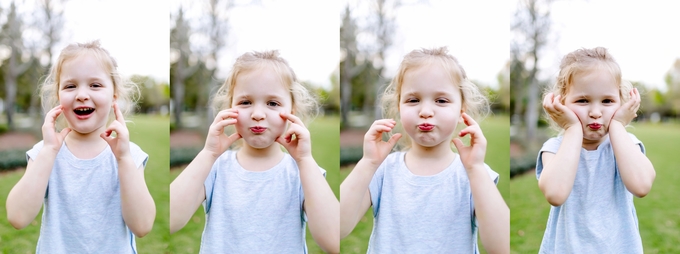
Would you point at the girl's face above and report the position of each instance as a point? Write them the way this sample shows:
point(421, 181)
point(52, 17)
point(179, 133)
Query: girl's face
point(87, 94)
point(259, 96)
point(430, 105)
point(594, 97)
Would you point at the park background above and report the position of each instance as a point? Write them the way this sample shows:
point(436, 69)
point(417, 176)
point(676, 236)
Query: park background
point(643, 39)
point(206, 37)
point(32, 33)
point(374, 37)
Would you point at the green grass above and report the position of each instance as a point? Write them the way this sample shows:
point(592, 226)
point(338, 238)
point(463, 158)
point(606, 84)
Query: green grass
point(658, 212)
point(151, 134)
point(497, 132)
point(326, 150)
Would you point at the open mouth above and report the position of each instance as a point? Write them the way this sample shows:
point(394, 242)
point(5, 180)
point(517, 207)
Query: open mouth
point(426, 127)
point(83, 111)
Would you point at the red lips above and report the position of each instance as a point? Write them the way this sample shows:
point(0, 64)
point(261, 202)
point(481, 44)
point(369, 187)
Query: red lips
point(258, 129)
point(425, 127)
point(595, 126)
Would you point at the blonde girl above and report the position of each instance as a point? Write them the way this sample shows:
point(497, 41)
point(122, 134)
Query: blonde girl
point(90, 181)
point(427, 199)
point(257, 199)
point(592, 170)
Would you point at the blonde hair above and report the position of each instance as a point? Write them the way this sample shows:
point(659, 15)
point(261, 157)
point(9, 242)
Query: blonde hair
point(125, 91)
point(305, 104)
point(584, 60)
point(474, 103)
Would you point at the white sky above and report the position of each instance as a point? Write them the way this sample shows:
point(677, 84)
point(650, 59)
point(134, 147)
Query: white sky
point(475, 32)
point(136, 33)
point(641, 35)
point(306, 33)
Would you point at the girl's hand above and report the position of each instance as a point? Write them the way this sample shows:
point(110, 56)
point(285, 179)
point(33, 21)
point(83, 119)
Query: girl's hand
point(51, 138)
point(300, 147)
point(217, 142)
point(120, 144)
point(375, 149)
point(627, 112)
point(559, 113)
point(472, 156)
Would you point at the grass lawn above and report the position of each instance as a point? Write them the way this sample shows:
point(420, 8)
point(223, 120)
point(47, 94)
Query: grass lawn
point(658, 212)
point(497, 132)
point(326, 150)
point(151, 134)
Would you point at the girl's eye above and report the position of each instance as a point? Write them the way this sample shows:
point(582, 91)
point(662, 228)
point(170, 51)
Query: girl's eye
point(442, 100)
point(411, 100)
point(273, 104)
point(608, 101)
point(96, 85)
point(243, 103)
point(69, 86)
point(582, 101)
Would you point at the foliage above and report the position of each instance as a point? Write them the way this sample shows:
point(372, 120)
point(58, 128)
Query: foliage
point(11, 159)
point(183, 155)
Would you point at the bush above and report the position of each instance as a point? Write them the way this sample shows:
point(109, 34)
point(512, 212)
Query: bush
point(522, 164)
point(350, 155)
point(3, 128)
point(183, 156)
point(11, 159)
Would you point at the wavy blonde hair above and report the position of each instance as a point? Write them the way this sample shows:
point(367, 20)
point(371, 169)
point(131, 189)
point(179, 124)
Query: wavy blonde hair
point(582, 61)
point(474, 103)
point(125, 91)
point(305, 104)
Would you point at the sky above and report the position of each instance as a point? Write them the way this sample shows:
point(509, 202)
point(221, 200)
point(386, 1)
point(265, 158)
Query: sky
point(642, 36)
point(475, 32)
point(305, 32)
point(135, 33)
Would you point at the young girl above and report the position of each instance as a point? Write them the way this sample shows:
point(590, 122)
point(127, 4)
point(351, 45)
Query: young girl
point(590, 172)
point(91, 182)
point(428, 199)
point(258, 198)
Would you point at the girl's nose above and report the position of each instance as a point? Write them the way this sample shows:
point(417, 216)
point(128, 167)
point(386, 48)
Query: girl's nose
point(595, 112)
point(82, 94)
point(425, 111)
point(257, 114)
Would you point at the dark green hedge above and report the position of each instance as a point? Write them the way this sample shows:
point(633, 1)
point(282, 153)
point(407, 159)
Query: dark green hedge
point(11, 159)
point(350, 155)
point(183, 156)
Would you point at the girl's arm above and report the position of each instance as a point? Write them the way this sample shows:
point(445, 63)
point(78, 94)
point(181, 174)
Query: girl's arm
point(137, 205)
point(355, 198)
point(139, 209)
point(493, 215)
point(320, 203)
point(187, 191)
point(559, 170)
point(26, 197)
point(637, 172)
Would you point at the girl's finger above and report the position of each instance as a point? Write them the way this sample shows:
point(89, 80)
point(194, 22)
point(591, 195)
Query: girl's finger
point(292, 118)
point(224, 115)
point(218, 128)
point(468, 120)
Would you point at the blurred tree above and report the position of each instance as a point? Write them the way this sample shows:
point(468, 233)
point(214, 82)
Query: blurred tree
point(153, 95)
point(673, 87)
point(350, 66)
point(502, 103)
point(181, 68)
point(531, 27)
point(51, 23)
point(18, 62)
